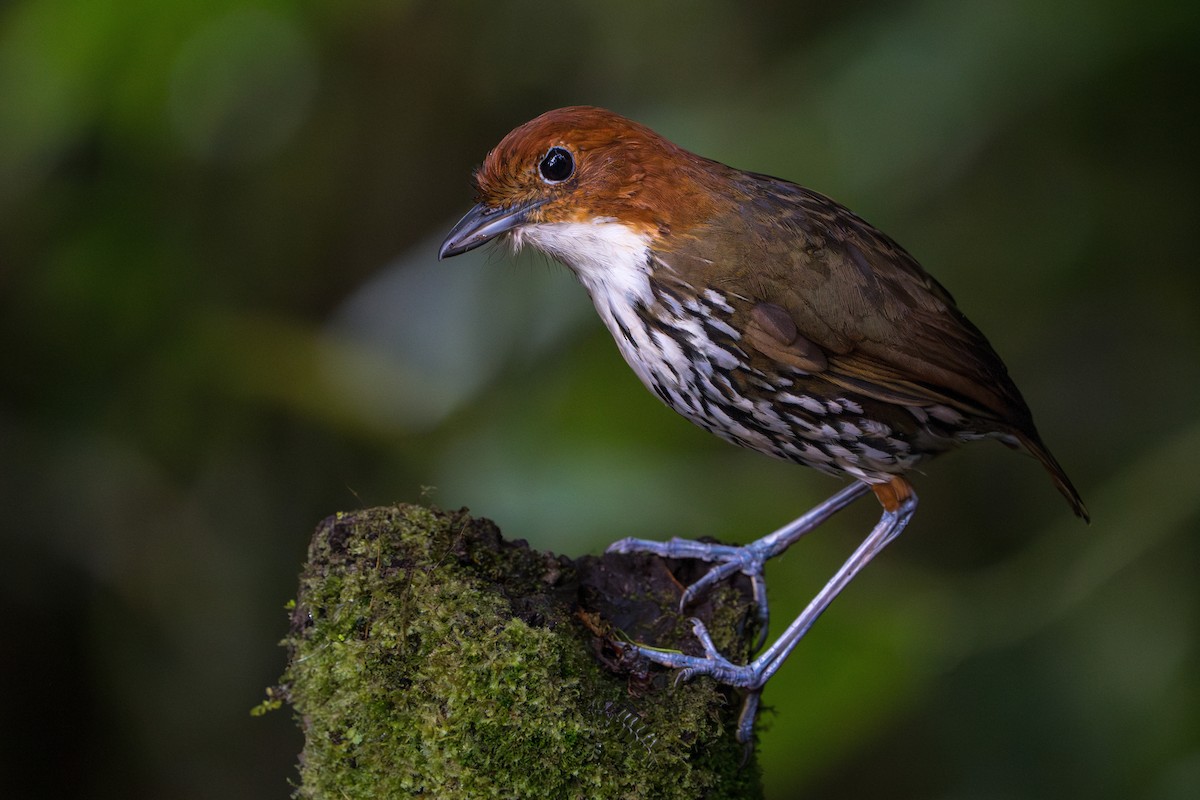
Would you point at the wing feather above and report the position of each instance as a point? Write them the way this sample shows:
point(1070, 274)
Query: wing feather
point(888, 329)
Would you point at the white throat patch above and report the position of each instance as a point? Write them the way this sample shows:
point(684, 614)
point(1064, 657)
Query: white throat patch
point(612, 263)
point(610, 259)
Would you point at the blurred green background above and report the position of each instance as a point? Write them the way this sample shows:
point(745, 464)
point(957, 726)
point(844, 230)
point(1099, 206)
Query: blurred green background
point(222, 319)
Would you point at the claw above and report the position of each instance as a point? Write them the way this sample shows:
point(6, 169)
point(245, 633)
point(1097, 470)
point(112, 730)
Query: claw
point(701, 632)
point(752, 567)
point(745, 728)
point(759, 584)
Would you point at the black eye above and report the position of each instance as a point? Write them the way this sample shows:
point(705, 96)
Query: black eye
point(557, 165)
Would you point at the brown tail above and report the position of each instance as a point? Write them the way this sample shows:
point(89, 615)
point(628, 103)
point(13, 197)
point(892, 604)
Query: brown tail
point(1038, 450)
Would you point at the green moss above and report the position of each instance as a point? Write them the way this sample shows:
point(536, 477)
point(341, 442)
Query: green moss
point(432, 659)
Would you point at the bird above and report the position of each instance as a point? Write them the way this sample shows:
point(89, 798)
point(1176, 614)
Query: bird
point(765, 313)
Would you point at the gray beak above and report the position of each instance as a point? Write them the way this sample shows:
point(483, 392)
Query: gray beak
point(482, 224)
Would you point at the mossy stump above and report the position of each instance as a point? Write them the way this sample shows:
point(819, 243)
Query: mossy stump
point(431, 658)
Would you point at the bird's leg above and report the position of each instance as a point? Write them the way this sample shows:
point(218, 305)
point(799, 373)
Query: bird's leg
point(749, 559)
point(899, 502)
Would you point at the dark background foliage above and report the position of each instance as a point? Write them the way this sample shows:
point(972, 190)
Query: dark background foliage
point(222, 319)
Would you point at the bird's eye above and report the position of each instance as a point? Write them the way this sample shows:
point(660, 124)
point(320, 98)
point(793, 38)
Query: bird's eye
point(557, 165)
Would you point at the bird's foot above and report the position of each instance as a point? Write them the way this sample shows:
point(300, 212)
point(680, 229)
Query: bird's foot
point(712, 663)
point(729, 559)
point(750, 677)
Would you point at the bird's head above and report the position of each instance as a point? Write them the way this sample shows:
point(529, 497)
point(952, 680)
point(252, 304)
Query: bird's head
point(583, 166)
